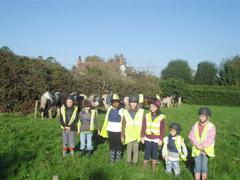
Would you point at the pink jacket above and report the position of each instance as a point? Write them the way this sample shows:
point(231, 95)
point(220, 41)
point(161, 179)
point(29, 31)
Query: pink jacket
point(210, 137)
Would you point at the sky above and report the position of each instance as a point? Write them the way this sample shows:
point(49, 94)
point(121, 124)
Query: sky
point(149, 33)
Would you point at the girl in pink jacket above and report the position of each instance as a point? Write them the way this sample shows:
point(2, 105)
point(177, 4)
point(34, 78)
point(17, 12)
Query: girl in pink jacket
point(202, 137)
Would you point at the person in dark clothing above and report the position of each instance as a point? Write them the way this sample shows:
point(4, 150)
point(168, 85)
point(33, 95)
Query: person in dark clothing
point(68, 120)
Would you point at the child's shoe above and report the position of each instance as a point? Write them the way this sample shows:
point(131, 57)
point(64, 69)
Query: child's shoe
point(176, 176)
point(145, 165)
point(64, 153)
point(89, 154)
point(83, 152)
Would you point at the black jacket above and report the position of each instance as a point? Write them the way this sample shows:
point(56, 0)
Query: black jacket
point(69, 111)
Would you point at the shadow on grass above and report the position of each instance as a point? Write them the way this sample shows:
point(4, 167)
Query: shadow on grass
point(98, 174)
point(11, 161)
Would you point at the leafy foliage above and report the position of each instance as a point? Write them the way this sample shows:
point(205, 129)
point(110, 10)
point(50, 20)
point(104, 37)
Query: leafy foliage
point(206, 73)
point(94, 58)
point(230, 72)
point(177, 69)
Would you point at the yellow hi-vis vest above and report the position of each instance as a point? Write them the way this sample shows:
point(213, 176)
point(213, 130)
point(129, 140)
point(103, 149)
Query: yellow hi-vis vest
point(153, 126)
point(133, 126)
point(93, 112)
point(64, 115)
point(140, 98)
point(178, 144)
point(210, 149)
point(104, 132)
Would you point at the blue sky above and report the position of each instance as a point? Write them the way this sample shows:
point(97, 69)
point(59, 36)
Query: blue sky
point(148, 33)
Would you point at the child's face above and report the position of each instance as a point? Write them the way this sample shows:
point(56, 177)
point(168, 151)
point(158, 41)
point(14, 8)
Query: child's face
point(87, 108)
point(173, 132)
point(69, 102)
point(153, 108)
point(133, 105)
point(115, 104)
point(202, 118)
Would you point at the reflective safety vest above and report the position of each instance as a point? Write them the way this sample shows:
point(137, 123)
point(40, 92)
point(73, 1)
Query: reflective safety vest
point(93, 112)
point(153, 126)
point(140, 98)
point(133, 126)
point(104, 132)
point(64, 116)
point(178, 144)
point(208, 150)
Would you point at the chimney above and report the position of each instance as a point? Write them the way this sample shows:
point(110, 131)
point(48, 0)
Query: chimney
point(121, 59)
point(79, 62)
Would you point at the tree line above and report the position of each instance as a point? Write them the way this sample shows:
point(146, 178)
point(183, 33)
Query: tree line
point(24, 79)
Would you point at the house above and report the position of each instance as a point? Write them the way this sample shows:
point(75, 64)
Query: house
point(82, 66)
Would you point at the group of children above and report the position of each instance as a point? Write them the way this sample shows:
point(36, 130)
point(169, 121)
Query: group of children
point(130, 126)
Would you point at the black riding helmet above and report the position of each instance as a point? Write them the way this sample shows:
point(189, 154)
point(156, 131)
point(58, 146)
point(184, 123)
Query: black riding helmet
point(134, 98)
point(69, 97)
point(176, 127)
point(204, 111)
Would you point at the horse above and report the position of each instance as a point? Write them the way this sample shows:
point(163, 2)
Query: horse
point(47, 101)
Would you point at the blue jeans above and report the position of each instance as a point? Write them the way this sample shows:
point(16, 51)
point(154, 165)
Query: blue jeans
point(201, 164)
point(83, 137)
point(173, 165)
point(151, 148)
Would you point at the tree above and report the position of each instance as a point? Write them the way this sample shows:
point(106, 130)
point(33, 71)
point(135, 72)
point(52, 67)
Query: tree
point(230, 72)
point(177, 69)
point(94, 58)
point(206, 73)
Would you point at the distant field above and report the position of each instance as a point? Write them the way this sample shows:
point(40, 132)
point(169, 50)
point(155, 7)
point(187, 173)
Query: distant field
point(32, 149)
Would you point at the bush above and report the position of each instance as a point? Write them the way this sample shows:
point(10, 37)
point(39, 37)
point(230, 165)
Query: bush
point(202, 94)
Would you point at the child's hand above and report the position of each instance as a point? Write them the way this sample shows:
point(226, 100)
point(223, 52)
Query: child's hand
point(163, 156)
point(68, 128)
point(122, 139)
point(99, 132)
point(160, 143)
point(142, 140)
point(199, 147)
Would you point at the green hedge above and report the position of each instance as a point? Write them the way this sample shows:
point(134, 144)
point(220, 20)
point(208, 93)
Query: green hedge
point(202, 94)
point(214, 95)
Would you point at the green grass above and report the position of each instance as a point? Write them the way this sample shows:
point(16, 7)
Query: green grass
point(32, 149)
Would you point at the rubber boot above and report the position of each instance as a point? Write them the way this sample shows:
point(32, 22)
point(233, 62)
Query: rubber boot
point(72, 152)
point(154, 165)
point(145, 164)
point(118, 155)
point(197, 176)
point(64, 153)
point(112, 156)
point(83, 152)
point(89, 154)
point(204, 176)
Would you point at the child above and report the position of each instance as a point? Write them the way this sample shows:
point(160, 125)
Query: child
point(86, 125)
point(112, 129)
point(68, 121)
point(153, 130)
point(131, 128)
point(174, 149)
point(202, 137)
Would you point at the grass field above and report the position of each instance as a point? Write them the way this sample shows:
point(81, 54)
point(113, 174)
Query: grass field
point(32, 149)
